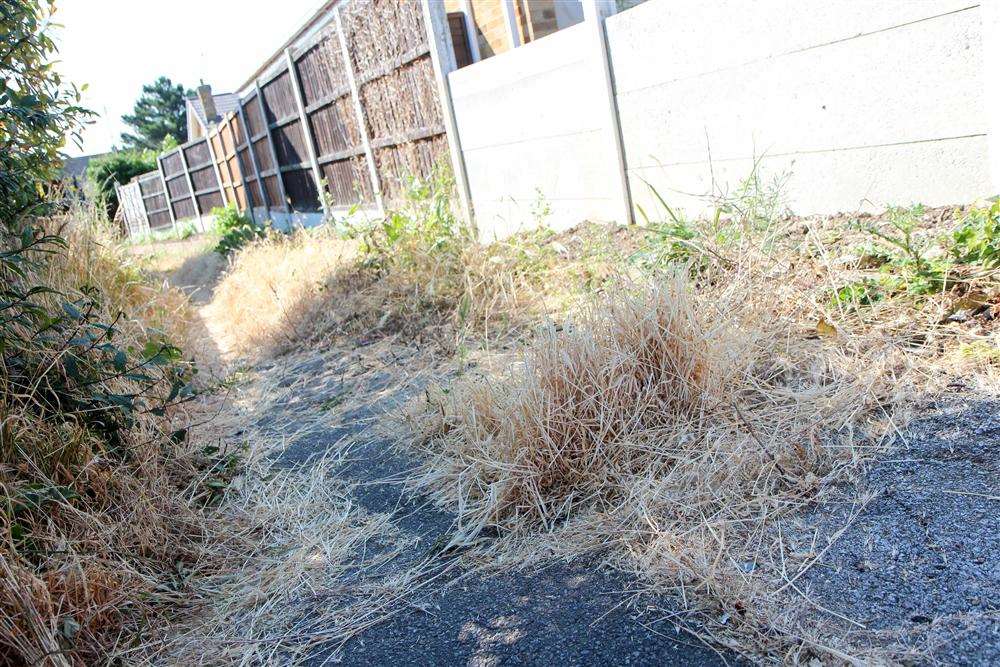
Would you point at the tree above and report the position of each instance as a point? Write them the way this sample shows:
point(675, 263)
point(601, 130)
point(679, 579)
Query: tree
point(38, 111)
point(117, 167)
point(158, 112)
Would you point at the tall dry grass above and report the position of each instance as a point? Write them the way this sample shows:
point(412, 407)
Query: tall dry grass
point(96, 512)
point(274, 288)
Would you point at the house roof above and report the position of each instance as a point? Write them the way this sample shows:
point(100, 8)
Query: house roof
point(75, 167)
point(224, 103)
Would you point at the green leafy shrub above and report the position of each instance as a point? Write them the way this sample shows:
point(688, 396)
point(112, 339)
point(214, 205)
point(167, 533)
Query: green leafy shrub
point(94, 509)
point(38, 111)
point(117, 167)
point(423, 226)
point(235, 229)
point(977, 239)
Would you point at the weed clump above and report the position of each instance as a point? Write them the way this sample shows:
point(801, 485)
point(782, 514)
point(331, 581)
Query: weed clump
point(235, 229)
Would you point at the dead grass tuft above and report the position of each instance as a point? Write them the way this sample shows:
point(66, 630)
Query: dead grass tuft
point(267, 299)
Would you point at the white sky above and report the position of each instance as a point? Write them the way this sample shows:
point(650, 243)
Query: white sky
point(109, 45)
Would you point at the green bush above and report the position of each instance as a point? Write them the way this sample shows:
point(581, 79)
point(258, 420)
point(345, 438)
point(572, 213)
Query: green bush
point(977, 239)
point(38, 111)
point(235, 229)
point(86, 462)
point(117, 167)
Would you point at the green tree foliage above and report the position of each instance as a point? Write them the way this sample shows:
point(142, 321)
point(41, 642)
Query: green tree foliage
point(37, 110)
point(117, 167)
point(158, 113)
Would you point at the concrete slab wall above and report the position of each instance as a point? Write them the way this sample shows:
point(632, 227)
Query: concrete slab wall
point(533, 125)
point(859, 104)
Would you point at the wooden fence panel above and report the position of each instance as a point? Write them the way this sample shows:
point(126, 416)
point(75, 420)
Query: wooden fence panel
point(282, 115)
point(357, 106)
point(329, 106)
point(223, 141)
point(390, 53)
point(178, 190)
point(133, 209)
point(202, 175)
point(260, 143)
point(154, 200)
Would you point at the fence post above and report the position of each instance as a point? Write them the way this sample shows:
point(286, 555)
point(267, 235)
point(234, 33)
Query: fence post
point(359, 113)
point(166, 193)
point(443, 61)
point(510, 18)
point(594, 14)
point(307, 133)
point(253, 160)
point(187, 177)
point(274, 151)
point(470, 29)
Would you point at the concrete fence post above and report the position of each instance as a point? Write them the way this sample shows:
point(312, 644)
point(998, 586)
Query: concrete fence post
point(469, 17)
point(510, 19)
point(594, 13)
point(443, 61)
point(359, 113)
point(307, 133)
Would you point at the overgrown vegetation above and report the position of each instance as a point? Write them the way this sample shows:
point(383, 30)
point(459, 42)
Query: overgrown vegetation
point(97, 504)
point(235, 229)
point(117, 167)
point(670, 393)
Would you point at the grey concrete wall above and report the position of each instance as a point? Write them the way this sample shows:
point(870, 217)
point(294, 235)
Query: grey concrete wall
point(861, 104)
point(533, 124)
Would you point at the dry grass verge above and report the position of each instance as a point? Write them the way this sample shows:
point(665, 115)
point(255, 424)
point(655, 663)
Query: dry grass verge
point(712, 378)
point(680, 417)
point(98, 503)
point(267, 298)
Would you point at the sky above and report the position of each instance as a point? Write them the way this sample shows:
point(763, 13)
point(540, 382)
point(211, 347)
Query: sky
point(116, 46)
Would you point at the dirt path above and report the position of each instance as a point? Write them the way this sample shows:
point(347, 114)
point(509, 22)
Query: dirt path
point(573, 613)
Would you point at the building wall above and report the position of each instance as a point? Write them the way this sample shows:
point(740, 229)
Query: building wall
point(855, 105)
point(492, 27)
point(533, 129)
point(859, 104)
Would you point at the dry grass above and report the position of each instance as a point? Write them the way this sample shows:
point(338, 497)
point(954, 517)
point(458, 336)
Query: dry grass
point(280, 546)
point(267, 298)
point(92, 525)
point(703, 388)
point(678, 418)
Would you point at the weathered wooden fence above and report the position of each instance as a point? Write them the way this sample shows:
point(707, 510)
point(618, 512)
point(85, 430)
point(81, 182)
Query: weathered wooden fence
point(343, 119)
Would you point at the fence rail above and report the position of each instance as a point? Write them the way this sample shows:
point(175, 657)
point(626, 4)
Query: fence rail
point(351, 112)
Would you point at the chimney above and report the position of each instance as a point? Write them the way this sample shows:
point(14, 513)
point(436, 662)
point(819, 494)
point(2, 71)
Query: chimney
point(208, 102)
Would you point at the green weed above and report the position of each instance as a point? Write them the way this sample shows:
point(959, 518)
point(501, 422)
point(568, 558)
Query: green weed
point(977, 239)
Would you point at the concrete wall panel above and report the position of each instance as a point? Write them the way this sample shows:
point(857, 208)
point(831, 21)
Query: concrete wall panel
point(533, 125)
point(858, 103)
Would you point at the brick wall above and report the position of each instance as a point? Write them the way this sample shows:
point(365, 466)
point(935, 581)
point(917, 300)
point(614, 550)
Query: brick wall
point(534, 19)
